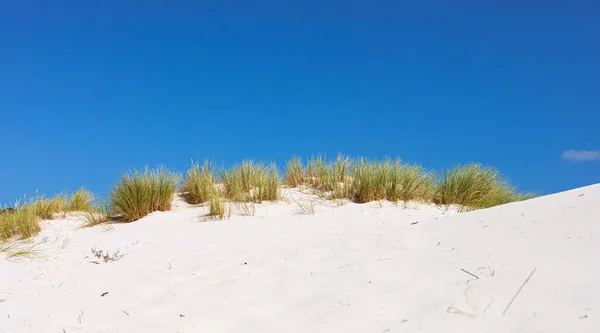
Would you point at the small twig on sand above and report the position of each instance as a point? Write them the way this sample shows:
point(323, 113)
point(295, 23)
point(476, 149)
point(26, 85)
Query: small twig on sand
point(125, 312)
point(473, 275)
point(488, 306)
point(518, 291)
point(106, 257)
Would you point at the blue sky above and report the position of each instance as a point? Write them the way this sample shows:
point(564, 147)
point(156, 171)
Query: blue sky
point(89, 89)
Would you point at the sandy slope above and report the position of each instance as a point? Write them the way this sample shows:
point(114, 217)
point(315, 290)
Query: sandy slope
point(354, 268)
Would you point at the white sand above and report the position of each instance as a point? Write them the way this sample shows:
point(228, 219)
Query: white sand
point(354, 268)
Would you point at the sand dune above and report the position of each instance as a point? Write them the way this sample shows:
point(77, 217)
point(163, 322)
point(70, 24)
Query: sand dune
point(374, 267)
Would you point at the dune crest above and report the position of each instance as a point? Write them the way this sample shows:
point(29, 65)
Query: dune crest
point(308, 265)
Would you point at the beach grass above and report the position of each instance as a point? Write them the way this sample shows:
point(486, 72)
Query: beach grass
point(294, 174)
point(199, 185)
point(319, 173)
point(98, 213)
point(474, 186)
point(410, 182)
point(251, 181)
point(139, 193)
point(217, 207)
point(21, 222)
point(46, 208)
point(81, 201)
point(361, 180)
point(370, 180)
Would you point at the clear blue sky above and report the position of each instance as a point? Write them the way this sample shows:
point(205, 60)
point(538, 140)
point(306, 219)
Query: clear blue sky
point(91, 88)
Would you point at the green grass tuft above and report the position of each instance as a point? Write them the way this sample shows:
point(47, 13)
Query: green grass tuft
point(370, 180)
point(319, 174)
point(474, 187)
point(294, 175)
point(217, 207)
point(21, 222)
point(199, 186)
point(140, 193)
point(81, 201)
point(409, 182)
point(251, 181)
point(339, 180)
point(373, 180)
point(98, 213)
point(266, 186)
point(46, 208)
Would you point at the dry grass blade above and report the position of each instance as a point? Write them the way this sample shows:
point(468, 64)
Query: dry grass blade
point(307, 207)
point(19, 250)
point(247, 208)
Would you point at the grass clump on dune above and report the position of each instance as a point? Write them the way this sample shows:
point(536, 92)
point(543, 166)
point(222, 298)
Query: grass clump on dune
point(199, 186)
point(294, 175)
point(21, 222)
point(318, 173)
point(98, 213)
point(267, 184)
point(474, 187)
point(370, 181)
point(237, 182)
point(330, 179)
point(140, 193)
point(251, 181)
point(363, 180)
point(46, 208)
point(410, 182)
point(391, 180)
point(217, 207)
point(339, 182)
point(81, 201)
